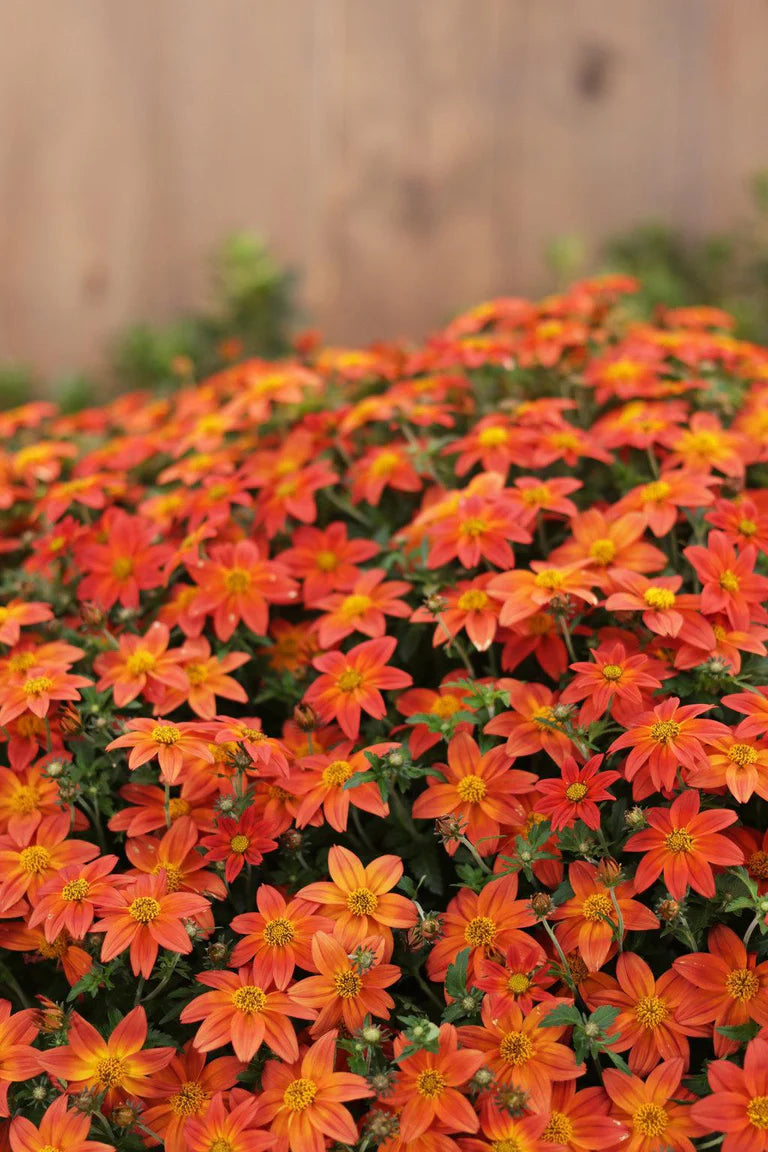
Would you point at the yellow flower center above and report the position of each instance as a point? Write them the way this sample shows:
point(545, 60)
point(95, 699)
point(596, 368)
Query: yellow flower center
point(568, 441)
point(299, 1094)
point(471, 789)
point(518, 983)
point(550, 579)
point(659, 598)
point(747, 527)
point(139, 662)
point(757, 1112)
point(742, 984)
point(24, 800)
point(597, 907)
point(197, 674)
point(480, 932)
point(75, 890)
point(665, 731)
point(189, 1099)
point(337, 773)
point(742, 754)
point(122, 567)
point(221, 1144)
point(347, 984)
point(729, 581)
point(144, 909)
point(327, 561)
point(239, 843)
point(349, 681)
point(656, 491)
point(603, 551)
point(612, 671)
point(249, 999)
point(278, 932)
point(362, 902)
point(173, 874)
point(178, 807)
point(355, 605)
point(576, 792)
point(37, 685)
point(650, 1120)
point(540, 494)
point(473, 600)
point(516, 1048)
point(511, 1144)
point(705, 443)
point(559, 1130)
point(430, 1083)
point(34, 860)
point(492, 437)
point(165, 734)
point(446, 706)
point(650, 1011)
point(543, 716)
point(679, 841)
point(237, 580)
point(473, 526)
point(110, 1071)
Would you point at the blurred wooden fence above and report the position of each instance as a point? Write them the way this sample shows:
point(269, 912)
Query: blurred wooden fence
point(406, 156)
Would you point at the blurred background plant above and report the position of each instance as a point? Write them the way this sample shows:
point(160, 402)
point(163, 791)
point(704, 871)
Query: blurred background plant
point(728, 270)
point(251, 315)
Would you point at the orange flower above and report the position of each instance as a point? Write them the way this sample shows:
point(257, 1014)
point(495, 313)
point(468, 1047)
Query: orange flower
point(17, 614)
point(427, 1088)
point(660, 501)
point(185, 1088)
point(26, 795)
point(729, 583)
point(614, 680)
point(665, 612)
point(651, 1109)
point(487, 922)
point(524, 593)
point(705, 445)
point(523, 1051)
point(726, 986)
point(228, 1129)
point(363, 608)
point(649, 1022)
point(238, 583)
point(606, 542)
point(736, 763)
point(278, 937)
point(18, 1059)
point(304, 1101)
point(590, 917)
point(67, 901)
point(576, 794)
point(522, 979)
point(145, 916)
point(348, 987)
point(380, 468)
point(326, 560)
point(35, 693)
point(468, 606)
point(478, 789)
point(244, 1014)
point(480, 527)
point(360, 899)
point(449, 699)
point(684, 843)
point(59, 1128)
point(350, 683)
point(119, 1066)
point(176, 855)
point(140, 664)
point(26, 864)
point(738, 1105)
point(664, 739)
point(239, 842)
point(530, 726)
point(753, 705)
point(205, 680)
point(174, 745)
point(580, 1120)
point(120, 561)
point(321, 784)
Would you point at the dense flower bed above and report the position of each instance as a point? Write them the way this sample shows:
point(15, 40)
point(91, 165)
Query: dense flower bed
point(384, 748)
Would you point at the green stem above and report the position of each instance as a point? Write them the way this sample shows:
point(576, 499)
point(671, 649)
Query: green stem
point(750, 930)
point(14, 987)
point(619, 920)
point(156, 991)
point(567, 638)
point(566, 969)
point(475, 855)
point(139, 990)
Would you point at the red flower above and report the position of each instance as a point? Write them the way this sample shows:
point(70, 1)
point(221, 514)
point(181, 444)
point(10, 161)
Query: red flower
point(350, 683)
point(576, 794)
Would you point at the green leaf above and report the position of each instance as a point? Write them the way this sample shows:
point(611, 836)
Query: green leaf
point(563, 1015)
point(604, 1016)
point(456, 976)
point(742, 1033)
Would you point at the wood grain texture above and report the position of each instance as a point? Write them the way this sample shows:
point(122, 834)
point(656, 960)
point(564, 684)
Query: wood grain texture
point(407, 157)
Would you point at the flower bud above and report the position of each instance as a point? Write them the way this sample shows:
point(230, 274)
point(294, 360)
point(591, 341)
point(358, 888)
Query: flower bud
point(634, 819)
point(217, 952)
point(608, 871)
point(305, 718)
point(541, 903)
point(125, 1115)
point(669, 910)
point(371, 1034)
point(292, 839)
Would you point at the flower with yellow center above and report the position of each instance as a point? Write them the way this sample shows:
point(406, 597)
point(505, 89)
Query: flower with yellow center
point(37, 685)
point(679, 841)
point(597, 907)
point(665, 731)
point(362, 902)
point(239, 843)
point(471, 789)
point(515, 1048)
point(603, 552)
point(144, 909)
point(349, 680)
point(165, 734)
point(660, 599)
point(757, 1112)
point(480, 932)
point(347, 984)
point(473, 600)
point(237, 581)
point(729, 581)
point(279, 932)
point(299, 1094)
point(249, 999)
point(34, 860)
point(559, 1130)
point(337, 773)
point(189, 1100)
point(140, 662)
point(75, 890)
point(650, 1012)
point(576, 792)
point(612, 672)
point(650, 1120)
